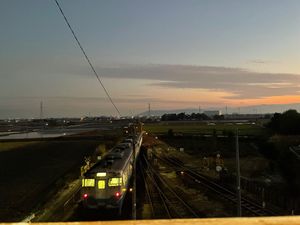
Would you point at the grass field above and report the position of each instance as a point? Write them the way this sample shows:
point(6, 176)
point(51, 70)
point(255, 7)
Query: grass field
point(7, 146)
point(204, 128)
point(32, 171)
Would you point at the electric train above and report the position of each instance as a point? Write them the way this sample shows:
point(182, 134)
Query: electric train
point(106, 183)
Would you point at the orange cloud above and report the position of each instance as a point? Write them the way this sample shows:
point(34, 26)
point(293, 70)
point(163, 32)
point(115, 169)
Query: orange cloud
point(285, 99)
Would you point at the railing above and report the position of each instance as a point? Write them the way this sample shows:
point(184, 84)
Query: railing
point(285, 220)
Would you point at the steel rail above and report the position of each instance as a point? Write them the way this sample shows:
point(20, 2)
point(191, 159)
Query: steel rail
point(173, 192)
point(247, 204)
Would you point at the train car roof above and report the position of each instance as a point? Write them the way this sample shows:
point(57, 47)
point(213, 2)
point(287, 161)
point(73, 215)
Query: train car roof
point(113, 161)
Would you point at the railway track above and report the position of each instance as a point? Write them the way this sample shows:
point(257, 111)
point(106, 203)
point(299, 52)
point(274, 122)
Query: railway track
point(249, 205)
point(155, 199)
point(61, 206)
point(164, 200)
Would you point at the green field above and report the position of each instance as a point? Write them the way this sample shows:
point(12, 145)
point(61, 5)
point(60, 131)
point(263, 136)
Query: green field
point(7, 146)
point(195, 128)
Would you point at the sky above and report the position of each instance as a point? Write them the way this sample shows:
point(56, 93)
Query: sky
point(170, 53)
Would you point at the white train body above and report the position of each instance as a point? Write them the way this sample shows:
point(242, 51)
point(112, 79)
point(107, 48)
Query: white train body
point(106, 183)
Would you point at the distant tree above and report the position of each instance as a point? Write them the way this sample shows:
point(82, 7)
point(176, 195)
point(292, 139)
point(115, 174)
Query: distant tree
point(193, 116)
point(290, 122)
point(169, 117)
point(285, 123)
point(204, 116)
point(275, 121)
point(181, 116)
point(218, 117)
point(164, 117)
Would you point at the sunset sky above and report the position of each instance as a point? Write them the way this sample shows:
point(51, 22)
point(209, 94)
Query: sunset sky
point(170, 53)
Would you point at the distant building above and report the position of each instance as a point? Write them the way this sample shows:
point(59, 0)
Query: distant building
point(212, 113)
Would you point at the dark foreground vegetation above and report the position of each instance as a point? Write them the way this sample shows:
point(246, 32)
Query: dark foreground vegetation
point(32, 173)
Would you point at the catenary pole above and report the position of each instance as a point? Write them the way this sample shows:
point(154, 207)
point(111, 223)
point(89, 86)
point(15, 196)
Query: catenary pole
point(238, 176)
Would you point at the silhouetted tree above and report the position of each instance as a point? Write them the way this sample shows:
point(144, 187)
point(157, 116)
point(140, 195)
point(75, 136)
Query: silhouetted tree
point(183, 116)
point(218, 117)
point(285, 123)
point(169, 117)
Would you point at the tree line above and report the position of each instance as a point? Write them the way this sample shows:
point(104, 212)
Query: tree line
point(193, 116)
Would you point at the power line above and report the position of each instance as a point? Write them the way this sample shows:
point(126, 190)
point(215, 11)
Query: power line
point(86, 57)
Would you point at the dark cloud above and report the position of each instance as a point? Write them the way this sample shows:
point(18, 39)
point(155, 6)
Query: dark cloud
point(239, 82)
point(127, 100)
point(77, 100)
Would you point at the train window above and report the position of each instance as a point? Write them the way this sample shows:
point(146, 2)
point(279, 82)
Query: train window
point(115, 181)
point(88, 182)
point(102, 174)
point(101, 184)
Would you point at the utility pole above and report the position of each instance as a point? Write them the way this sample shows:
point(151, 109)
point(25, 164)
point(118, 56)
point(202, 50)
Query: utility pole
point(134, 178)
point(149, 110)
point(238, 177)
point(41, 110)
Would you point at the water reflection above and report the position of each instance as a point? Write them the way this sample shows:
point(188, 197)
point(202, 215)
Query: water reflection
point(40, 134)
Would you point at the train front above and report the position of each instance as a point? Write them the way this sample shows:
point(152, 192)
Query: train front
point(102, 190)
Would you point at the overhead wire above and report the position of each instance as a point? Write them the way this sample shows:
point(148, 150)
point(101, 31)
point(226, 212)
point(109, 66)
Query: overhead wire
point(86, 57)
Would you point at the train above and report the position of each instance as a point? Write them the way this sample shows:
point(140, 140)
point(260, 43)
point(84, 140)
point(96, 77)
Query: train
point(106, 183)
